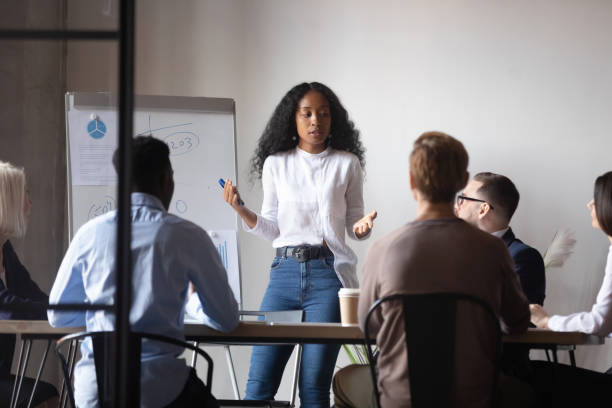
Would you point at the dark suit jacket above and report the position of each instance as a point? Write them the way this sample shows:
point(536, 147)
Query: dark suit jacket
point(529, 266)
point(18, 289)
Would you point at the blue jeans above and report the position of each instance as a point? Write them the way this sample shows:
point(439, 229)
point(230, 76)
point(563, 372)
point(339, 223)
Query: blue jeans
point(312, 286)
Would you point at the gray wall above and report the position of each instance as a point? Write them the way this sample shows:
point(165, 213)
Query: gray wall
point(32, 84)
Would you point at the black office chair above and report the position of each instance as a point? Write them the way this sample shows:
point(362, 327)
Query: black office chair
point(430, 368)
point(103, 348)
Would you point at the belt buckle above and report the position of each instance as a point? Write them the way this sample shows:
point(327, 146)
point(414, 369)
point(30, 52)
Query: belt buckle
point(301, 254)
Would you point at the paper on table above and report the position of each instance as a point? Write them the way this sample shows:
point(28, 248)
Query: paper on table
point(227, 245)
point(93, 139)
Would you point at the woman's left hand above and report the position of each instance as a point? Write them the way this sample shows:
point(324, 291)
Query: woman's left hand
point(364, 225)
point(539, 317)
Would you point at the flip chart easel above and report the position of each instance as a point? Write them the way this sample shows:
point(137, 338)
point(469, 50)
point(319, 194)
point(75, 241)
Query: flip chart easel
point(200, 133)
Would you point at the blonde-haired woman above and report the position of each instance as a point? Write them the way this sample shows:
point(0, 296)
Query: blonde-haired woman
point(16, 286)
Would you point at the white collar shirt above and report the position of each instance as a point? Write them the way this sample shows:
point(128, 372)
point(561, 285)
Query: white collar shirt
point(311, 199)
point(500, 233)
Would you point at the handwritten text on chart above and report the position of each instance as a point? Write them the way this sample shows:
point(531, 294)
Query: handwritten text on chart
point(103, 206)
point(181, 206)
point(181, 142)
point(178, 142)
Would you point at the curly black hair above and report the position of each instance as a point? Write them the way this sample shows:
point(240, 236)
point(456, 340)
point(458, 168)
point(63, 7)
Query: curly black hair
point(278, 136)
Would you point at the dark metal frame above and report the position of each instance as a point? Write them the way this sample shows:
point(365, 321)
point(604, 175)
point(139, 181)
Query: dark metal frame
point(128, 395)
point(59, 35)
point(127, 382)
point(403, 298)
point(73, 339)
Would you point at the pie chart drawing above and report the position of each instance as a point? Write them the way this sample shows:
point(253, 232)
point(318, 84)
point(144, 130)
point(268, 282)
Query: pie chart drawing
point(96, 129)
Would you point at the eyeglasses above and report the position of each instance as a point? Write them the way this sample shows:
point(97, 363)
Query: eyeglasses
point(461, 198)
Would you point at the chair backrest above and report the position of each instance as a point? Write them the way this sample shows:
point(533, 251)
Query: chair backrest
point(103, 350)
point(430, 332)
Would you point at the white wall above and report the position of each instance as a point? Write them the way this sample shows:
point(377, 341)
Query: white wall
point(525, 85)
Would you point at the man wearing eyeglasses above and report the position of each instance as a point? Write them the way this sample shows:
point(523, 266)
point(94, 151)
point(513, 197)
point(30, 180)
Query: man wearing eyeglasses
point(488, 202)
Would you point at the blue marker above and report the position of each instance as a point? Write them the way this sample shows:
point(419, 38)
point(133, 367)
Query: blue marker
point(222, 184)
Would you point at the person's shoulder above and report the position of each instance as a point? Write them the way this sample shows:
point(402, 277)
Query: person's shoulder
point(175, 224)
point(278, 159)
point(8, 252)
point(7, 246)
point(515, 245)
point(379, 250)
point(397, 239)
point(279, 156)
point(518, 248)
point(175, 230)
point(483, 239)
point(92, 226)
point(343, 155)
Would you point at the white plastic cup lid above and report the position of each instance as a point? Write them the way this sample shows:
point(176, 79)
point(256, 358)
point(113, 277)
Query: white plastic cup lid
point(348, 292)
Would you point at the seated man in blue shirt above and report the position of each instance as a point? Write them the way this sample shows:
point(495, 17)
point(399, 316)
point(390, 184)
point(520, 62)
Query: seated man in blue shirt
point(168, 253)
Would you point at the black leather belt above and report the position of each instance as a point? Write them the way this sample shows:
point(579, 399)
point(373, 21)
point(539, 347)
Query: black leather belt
point(303, 253)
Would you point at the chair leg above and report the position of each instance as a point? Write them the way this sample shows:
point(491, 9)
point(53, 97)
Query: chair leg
point(230, 366)
point(296, 374)
point(40, 369)
point(28, 346)
point(572, 358)
point(66, 382)
point(12, 403)
point(72, 351)
point(195, 355)
point(63, 384)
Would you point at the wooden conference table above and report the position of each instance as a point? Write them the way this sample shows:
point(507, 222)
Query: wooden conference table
point(252, 332)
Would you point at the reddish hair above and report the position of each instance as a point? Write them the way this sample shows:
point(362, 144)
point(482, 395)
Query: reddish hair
point(438, 164)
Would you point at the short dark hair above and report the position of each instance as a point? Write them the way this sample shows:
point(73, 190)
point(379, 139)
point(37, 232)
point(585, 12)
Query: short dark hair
point(438, 164)
point(500, 191)
point(150, 161)
point(602, 196)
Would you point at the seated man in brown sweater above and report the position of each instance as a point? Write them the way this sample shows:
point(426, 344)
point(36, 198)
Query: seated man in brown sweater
point(437, 252)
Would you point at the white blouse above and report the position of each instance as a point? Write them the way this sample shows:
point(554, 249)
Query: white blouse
point(599, 319)
point(309, 198)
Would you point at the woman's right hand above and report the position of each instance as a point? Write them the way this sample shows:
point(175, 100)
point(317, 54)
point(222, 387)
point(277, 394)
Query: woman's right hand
point(231, 195)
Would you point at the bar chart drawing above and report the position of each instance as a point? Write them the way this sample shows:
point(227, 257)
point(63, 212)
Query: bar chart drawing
point(222, 249)
point(226, 244)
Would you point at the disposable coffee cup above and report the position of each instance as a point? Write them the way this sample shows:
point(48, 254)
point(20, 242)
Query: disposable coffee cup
point(349, 301)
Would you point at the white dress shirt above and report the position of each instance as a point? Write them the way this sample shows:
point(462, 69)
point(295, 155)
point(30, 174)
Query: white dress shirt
point(311, 198)
point(500, 233)
point(168, 252)
point(599, 319)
